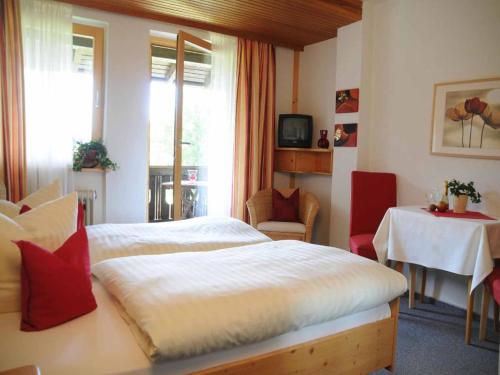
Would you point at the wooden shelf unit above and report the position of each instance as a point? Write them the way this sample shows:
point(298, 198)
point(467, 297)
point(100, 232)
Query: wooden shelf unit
point(303, 160)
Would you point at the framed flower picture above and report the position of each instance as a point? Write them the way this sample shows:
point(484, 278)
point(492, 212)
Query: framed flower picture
point(466, 119)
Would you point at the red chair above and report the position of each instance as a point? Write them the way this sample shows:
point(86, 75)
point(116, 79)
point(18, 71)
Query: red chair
point(491, 288)
point(372, 193)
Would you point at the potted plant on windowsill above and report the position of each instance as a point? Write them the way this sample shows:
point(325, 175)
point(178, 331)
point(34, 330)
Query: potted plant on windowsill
point(461, 193)
point(91, 155)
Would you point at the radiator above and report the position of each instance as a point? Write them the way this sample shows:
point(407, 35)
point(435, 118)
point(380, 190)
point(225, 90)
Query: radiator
point(87, 198)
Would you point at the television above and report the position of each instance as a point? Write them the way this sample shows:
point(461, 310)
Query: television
point(295, 130)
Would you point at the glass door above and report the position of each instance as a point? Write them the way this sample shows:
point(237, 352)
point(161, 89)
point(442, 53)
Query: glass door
point(179, 89)
point(161, 129)
point(190, 186)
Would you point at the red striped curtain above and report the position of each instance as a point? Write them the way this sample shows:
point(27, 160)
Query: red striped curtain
point(255, 116)
point(11, 86)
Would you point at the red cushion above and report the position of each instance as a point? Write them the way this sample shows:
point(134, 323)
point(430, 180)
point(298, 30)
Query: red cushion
point(80, 218)
point(362, 244)
point(493, 282)
point(55, 287)
point(372, 193)
point(286, 209)
point(24, 208)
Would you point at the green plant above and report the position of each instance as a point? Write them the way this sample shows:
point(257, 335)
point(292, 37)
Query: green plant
point(83, 149)
point(459, 188)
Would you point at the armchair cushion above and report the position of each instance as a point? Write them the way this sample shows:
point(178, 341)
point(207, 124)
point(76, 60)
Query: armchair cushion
point(281, 226)
point(362, 244)
point(286, 209)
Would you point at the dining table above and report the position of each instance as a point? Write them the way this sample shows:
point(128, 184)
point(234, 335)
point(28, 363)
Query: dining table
point(465, 244)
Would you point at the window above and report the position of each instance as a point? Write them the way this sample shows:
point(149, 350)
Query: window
point(87, 82)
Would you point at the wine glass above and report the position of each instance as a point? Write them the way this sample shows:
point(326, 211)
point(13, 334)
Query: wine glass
point(432, 196)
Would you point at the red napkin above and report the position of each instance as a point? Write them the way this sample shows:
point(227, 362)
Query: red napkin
point(465, 215)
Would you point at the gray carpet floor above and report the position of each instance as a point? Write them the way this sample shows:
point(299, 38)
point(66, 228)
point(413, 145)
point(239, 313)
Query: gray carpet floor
point(431, 341)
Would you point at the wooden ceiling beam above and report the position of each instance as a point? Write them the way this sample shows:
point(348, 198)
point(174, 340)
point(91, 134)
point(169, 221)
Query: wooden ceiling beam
point(287, 23)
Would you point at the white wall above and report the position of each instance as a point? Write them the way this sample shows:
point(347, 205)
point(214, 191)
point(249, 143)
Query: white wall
point(284, 81)
point(409, 46)
point(345, 159)
point(126, 119)
point(317, 98)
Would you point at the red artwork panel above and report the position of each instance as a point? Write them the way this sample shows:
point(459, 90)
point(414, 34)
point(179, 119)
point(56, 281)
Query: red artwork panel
point(347, 101)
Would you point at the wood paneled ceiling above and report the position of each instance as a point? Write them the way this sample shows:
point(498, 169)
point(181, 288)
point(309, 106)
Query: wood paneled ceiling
point(288, 23)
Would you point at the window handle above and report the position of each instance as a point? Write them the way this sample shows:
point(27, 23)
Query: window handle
point(186, 143)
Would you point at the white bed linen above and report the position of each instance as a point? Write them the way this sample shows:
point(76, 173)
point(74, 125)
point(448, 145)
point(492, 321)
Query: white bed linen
point(187, 304)
point(101, 343)
point(197, 234)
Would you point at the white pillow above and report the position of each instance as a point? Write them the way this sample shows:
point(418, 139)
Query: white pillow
point(8, 208)
point(47, 225)
point(42, 195)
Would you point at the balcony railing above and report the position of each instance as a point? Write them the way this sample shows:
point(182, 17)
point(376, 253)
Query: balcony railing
point(161, 197)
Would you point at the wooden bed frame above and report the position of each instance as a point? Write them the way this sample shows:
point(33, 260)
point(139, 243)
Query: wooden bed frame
point(359, 350)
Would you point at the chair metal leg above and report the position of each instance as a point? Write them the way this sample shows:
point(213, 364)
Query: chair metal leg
point(422, 285)
point(411, 287)
point(483, 322)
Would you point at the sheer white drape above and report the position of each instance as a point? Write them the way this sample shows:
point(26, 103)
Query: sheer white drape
point(47, 47)
point(222, 124)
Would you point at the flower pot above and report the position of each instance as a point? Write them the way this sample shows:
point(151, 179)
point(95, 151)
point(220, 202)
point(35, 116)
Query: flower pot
point(90, 160)
point(460, 203)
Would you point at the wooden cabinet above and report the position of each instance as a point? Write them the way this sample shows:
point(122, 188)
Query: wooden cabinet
point(303, 160)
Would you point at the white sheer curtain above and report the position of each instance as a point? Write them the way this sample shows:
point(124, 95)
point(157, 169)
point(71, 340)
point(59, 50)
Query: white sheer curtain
point(222, 124)
point(47, 48)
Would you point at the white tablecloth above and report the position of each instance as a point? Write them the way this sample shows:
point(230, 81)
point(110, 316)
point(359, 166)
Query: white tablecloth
point(462, 246)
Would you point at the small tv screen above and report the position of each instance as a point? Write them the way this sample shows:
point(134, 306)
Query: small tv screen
point(295, 130)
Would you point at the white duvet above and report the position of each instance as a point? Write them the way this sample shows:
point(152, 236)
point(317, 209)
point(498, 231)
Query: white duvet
point(185, 304)
point(199, 234)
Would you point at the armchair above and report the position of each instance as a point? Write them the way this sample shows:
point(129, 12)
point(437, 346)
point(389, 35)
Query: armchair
point(260, 209)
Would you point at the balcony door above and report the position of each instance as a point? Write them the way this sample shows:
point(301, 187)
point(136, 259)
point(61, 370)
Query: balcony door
point(191, 127)
point(179, 117)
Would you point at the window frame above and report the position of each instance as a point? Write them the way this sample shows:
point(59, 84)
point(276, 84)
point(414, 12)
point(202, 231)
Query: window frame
point(97, 33)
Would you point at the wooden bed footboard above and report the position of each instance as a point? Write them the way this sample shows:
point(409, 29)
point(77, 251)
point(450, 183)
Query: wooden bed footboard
point(359, 350)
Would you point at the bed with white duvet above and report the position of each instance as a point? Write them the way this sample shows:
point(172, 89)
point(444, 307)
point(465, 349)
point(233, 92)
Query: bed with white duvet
point(185, 312)
point(198, 234)
point(187, 304)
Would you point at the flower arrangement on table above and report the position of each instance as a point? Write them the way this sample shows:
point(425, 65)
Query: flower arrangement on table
point(461, 193)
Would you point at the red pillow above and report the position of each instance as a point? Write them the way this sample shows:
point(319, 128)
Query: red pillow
point(24, 208)
point(286, 209)
point(80, 218)
point(55, 287)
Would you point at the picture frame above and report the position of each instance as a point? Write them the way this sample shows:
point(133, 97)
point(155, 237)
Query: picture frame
point(347, 101)
point(466, 119)
point(346, 135)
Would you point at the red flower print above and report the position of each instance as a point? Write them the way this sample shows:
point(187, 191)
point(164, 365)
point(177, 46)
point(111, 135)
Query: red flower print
point(475, 106)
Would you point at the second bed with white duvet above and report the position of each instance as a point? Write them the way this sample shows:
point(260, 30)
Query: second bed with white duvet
point(108, 241)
